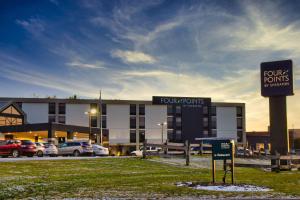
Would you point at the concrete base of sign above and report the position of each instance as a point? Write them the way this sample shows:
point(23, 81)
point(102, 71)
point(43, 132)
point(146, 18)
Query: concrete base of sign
point(224, 187)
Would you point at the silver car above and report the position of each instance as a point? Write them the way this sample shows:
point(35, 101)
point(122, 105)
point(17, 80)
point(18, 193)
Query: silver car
point(100, 150)
point(75, 148)
point(51, 150)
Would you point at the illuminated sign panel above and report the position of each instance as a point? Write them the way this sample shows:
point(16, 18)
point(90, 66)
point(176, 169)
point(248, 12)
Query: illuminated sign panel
point(185, 101)
point(277, 78)
point(222, 149)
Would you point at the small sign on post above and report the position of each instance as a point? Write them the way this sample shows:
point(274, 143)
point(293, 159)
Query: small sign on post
point(222, 150)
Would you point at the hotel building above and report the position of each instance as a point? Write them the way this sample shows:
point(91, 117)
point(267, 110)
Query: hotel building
point(121, 122)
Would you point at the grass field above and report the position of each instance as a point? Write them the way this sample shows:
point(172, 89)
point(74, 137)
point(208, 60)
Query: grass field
point(126, 178)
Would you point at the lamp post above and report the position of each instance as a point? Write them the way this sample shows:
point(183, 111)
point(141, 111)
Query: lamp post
point(91, 113)
point(162, 124)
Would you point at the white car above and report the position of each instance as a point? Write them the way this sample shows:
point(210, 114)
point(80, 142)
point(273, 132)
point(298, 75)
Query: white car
point(51, 150)
point(100, 150)
point(149, 149)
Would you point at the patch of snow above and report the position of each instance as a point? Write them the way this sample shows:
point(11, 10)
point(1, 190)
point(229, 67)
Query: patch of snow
point(225, 188)
point(233, 188)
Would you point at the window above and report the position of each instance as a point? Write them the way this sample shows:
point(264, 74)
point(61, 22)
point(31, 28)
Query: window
point(142, 122)
point(178, 109)
point(214, 133)
point(178, 135)
point(170, 135)
point(239, 111)
point(170, 109)
point(51, 107)
point(205, 133)
point(142, 135)
point(62, 108)
point(178, 121)
point(19, 104)
point(93, 121)
point(93, 106)
point(103, 109)
point(104, 122)
point(213, 122)
point(239, 123)
point(132, 109)
point(170, 122)
point(132, 122)
point(51, 119)
point(62, 119)
point(205, 110)
point(141, 109)
point(240, 136)
point(213, 110)
point(205, 122)
point(132, 136)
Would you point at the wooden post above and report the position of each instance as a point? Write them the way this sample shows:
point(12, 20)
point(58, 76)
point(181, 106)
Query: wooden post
point(225, 169)
point(187, 153)
point(213, 166)
point(144, 148)
point(166, 147)
point(201, 148)
point(232, 163)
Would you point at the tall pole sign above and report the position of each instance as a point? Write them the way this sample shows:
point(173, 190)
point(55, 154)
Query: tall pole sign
point(277, 83)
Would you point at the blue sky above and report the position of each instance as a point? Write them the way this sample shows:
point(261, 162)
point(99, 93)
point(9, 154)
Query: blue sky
point(137, 49)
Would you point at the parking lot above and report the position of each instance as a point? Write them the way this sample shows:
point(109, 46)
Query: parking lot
point(54, 158)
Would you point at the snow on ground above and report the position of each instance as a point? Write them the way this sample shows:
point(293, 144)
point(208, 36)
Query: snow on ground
point(226, 188)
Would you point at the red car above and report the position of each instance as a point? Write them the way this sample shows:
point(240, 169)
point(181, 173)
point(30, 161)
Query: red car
point(16, 148)
point(10, 148)
point(28, 148)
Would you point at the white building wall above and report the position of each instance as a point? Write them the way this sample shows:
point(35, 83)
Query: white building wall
point(155, 114)
point(75, 114)
point(226, 122)
point(118, 123)
point(36, 112)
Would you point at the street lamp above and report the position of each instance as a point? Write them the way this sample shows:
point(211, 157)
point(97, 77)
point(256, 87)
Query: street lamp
point(91, 113)
point(162, 124)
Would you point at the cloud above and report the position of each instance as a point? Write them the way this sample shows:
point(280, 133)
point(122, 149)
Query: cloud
point(97, 65)
point(35, 26)
point(133, 57)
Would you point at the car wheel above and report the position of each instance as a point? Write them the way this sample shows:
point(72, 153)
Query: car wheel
point(39, 154)
point(15, 153)
point(76, 153)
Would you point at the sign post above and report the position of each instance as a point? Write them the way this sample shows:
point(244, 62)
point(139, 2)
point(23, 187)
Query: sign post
point(277, 83)
point(223, 150)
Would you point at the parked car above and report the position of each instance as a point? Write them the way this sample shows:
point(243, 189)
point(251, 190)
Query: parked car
point(195, 150)
point(28, 148)
point(148, 149)
point(51, 150)
point(40, 149)
point(243, 152)
point(100, 150)
point(75, 148)
point(10, 148)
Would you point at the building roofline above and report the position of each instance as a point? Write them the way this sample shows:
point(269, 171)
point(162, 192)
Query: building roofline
point(89, 101)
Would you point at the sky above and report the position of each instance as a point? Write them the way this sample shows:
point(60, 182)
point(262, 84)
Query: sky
point(138, 49)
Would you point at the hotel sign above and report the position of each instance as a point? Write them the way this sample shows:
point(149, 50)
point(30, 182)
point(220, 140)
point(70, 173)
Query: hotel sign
point(222, 149)
point(277, 78)
point(190, 101)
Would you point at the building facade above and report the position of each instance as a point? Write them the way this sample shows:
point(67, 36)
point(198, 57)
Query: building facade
point(120, 122)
